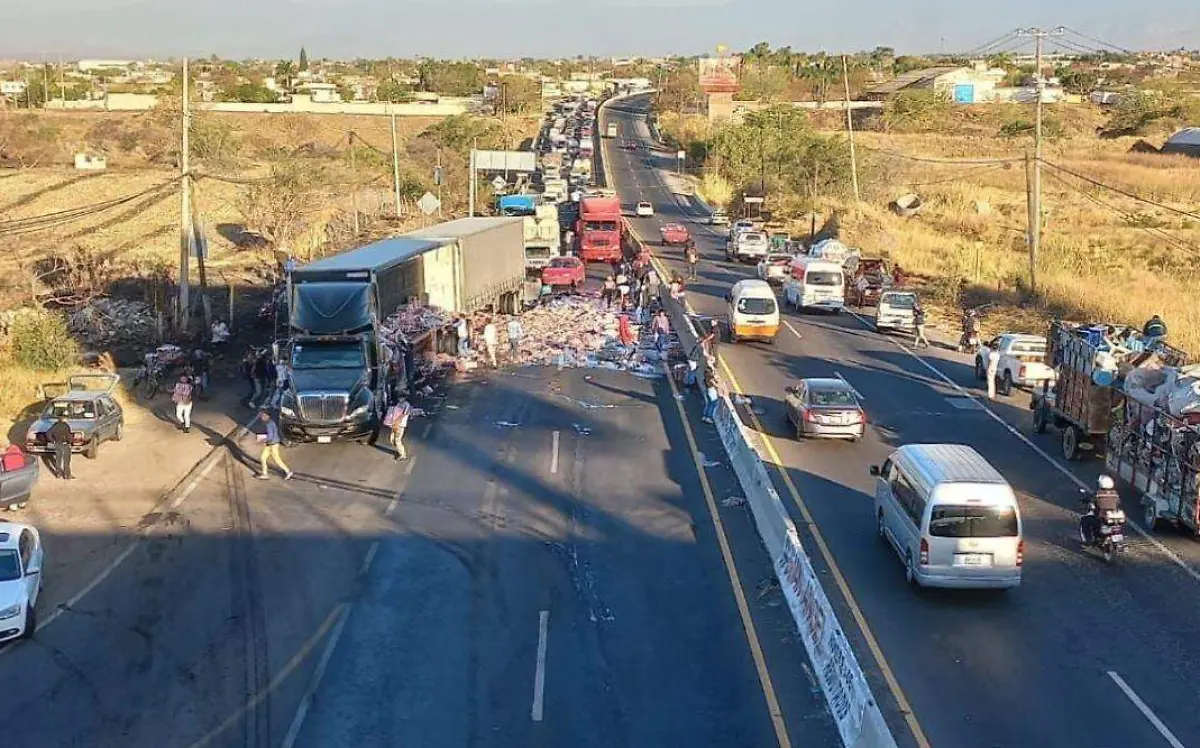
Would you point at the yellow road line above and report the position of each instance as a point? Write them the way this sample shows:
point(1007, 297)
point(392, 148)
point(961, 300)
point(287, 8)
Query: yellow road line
point(859, 618)
point(760, 662)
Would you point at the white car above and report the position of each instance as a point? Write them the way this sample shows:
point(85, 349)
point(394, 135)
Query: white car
point(644, 209)
point(718, 218)
point(1022, 361)
point(20, 580)
point(774, 267)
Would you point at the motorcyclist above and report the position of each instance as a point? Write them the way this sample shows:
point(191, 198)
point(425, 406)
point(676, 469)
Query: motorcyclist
point(970, 329)
point(1104, 499)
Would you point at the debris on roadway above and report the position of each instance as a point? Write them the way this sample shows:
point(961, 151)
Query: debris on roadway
point(109, 322)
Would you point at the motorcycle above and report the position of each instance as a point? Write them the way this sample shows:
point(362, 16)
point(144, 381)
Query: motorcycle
point(969, 340)
point(1109, 536)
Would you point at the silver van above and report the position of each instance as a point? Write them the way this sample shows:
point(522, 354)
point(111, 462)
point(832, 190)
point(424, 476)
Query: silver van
point(950, 516)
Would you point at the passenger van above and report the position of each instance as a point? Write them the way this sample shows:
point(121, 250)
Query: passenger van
point(815, 284)
point(950, 516)
point(753, 313)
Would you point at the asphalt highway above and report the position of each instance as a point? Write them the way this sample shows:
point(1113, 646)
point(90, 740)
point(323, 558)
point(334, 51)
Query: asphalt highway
point(1082, 654)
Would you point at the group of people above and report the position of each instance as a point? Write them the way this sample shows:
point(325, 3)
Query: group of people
point(629, 288)
point(489, 337)
point(261, 373)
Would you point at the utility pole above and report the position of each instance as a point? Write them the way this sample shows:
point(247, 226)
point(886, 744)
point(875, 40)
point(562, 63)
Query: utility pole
point(185, 211)
point(395, 165)
point(1033, 166)
point(471, 181)
point(62, 84)
point(45, 83)
point(354, 184)
point(441, 177)
point(850, 129)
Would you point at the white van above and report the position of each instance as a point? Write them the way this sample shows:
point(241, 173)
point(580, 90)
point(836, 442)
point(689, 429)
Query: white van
point(950, 516)
point(896, 311)
point(815, 284)
point(753, 313)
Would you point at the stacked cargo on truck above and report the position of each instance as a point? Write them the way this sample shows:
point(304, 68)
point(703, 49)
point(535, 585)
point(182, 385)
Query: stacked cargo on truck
point(542, 238)
point(599, 230)
point(1137, 401)
point(516, 205)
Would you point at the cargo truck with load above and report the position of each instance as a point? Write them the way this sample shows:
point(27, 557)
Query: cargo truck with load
point(340, 383)
point(599, 229)
point(542, 238)
point(516, 205)
point(1135, 401)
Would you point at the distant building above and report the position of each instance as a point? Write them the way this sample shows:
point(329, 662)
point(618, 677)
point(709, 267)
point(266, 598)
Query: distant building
point(13, 89)
point(100, 66)
point(963, 85)
point(320, 93)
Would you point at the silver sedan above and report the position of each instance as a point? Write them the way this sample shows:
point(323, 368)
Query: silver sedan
point(825, 409)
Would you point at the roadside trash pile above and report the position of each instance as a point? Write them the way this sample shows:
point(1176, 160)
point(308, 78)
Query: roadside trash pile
point(111, 322)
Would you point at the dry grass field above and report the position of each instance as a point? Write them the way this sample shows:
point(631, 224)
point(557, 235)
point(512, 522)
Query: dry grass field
point(1104, 256)
point(127, 225)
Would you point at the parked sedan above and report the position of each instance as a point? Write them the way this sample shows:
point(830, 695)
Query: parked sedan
point(564, 271)
point(21, 561)
point(91, 411)
point(644, 209)
point(825, 408)
point(774, 267)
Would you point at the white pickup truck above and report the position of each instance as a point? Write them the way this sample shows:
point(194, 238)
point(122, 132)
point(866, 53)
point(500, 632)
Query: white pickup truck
point(1022, 361)
point(747, 245)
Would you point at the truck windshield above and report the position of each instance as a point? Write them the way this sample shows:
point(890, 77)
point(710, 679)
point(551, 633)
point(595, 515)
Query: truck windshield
point(823, 278)
point(948, 521)
point(328, 356)
point(600, 226)
point(899, 301)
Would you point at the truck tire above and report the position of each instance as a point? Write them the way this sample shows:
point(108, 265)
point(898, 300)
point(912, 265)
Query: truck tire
point(1070, 443)
point(373, 439)
point(1153, 522)
point(1006, 383)
point(1039, 419)
point(980, 370)
point(92, 450)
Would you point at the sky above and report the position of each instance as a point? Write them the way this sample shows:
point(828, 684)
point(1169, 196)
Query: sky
point(559, 28)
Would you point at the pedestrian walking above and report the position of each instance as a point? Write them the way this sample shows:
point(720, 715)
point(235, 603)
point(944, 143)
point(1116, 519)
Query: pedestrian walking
point(692, 255)
point(271, 440)
point(182, 396)
point(491, 338)
point(623, 290)
point(202, 368)
point(919, 339)
point(662, 329)
point(515, 333)
point(262, 376)
point(711, 393)
point(59, 437)
point(993, 369)
point(462, 331)
point(610, 291)
point(248, 375)
point(396, 419)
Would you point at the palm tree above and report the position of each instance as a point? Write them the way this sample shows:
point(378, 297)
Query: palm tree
point(285, 70)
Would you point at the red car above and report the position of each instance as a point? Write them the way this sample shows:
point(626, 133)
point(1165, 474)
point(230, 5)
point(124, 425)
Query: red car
point(675, 233)
point(564, 271)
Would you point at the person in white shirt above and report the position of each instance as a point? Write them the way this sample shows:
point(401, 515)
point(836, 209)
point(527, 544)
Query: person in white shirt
point(993, 368)
point(397, 419)
point(463, 331)
point(182, 395)
point(515, 333)
point(490, 339)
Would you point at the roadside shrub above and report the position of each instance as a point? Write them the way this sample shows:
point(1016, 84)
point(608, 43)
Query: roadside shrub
point(40, 341)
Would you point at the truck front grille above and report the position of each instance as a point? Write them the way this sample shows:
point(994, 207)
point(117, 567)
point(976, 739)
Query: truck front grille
point(323, 407)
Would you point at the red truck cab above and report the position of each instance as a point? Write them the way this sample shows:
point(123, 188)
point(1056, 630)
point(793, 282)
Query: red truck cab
point(564, 271)
point(599, 229)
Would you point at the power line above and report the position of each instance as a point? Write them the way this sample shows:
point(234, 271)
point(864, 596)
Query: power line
point(976, 169)
point(1178, 243)
point(59, 218)
point(983, 48)
point(951, 161)
point(1101, 42)
point(1119, 191)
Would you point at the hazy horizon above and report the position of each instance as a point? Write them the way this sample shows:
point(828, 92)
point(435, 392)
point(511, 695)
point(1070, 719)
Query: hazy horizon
point(508, 29)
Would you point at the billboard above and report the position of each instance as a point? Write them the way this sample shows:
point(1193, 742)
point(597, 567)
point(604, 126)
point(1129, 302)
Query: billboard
point(720, 74)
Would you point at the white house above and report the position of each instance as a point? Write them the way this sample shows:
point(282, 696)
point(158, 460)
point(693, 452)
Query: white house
point(99, 66)
point(321, 93)
point(13, 88)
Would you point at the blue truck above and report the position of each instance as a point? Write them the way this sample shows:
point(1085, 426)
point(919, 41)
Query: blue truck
point(516, 205)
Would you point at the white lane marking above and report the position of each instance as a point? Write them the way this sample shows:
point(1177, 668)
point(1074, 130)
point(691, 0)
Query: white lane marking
point(111, 566)
point(306, 703)
point(365, 566)
point(1194, 574)
point(1145, 710)
point(795, 332)
point(554, 452)
point(858, 394)
point(539, 673)
point(391, 507)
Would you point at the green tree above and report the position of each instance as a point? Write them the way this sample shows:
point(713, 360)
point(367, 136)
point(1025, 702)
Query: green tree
point(450, 78)
point(519, 95)
point(249, 93)
point(303, 59)
point(917, 110)
point(393, 91)
point(285, 71)
point(41, 341)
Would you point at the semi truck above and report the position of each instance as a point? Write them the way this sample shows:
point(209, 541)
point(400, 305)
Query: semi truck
point(599, 229)
point(477, 263)
point(340, 384)
point(542, 238)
